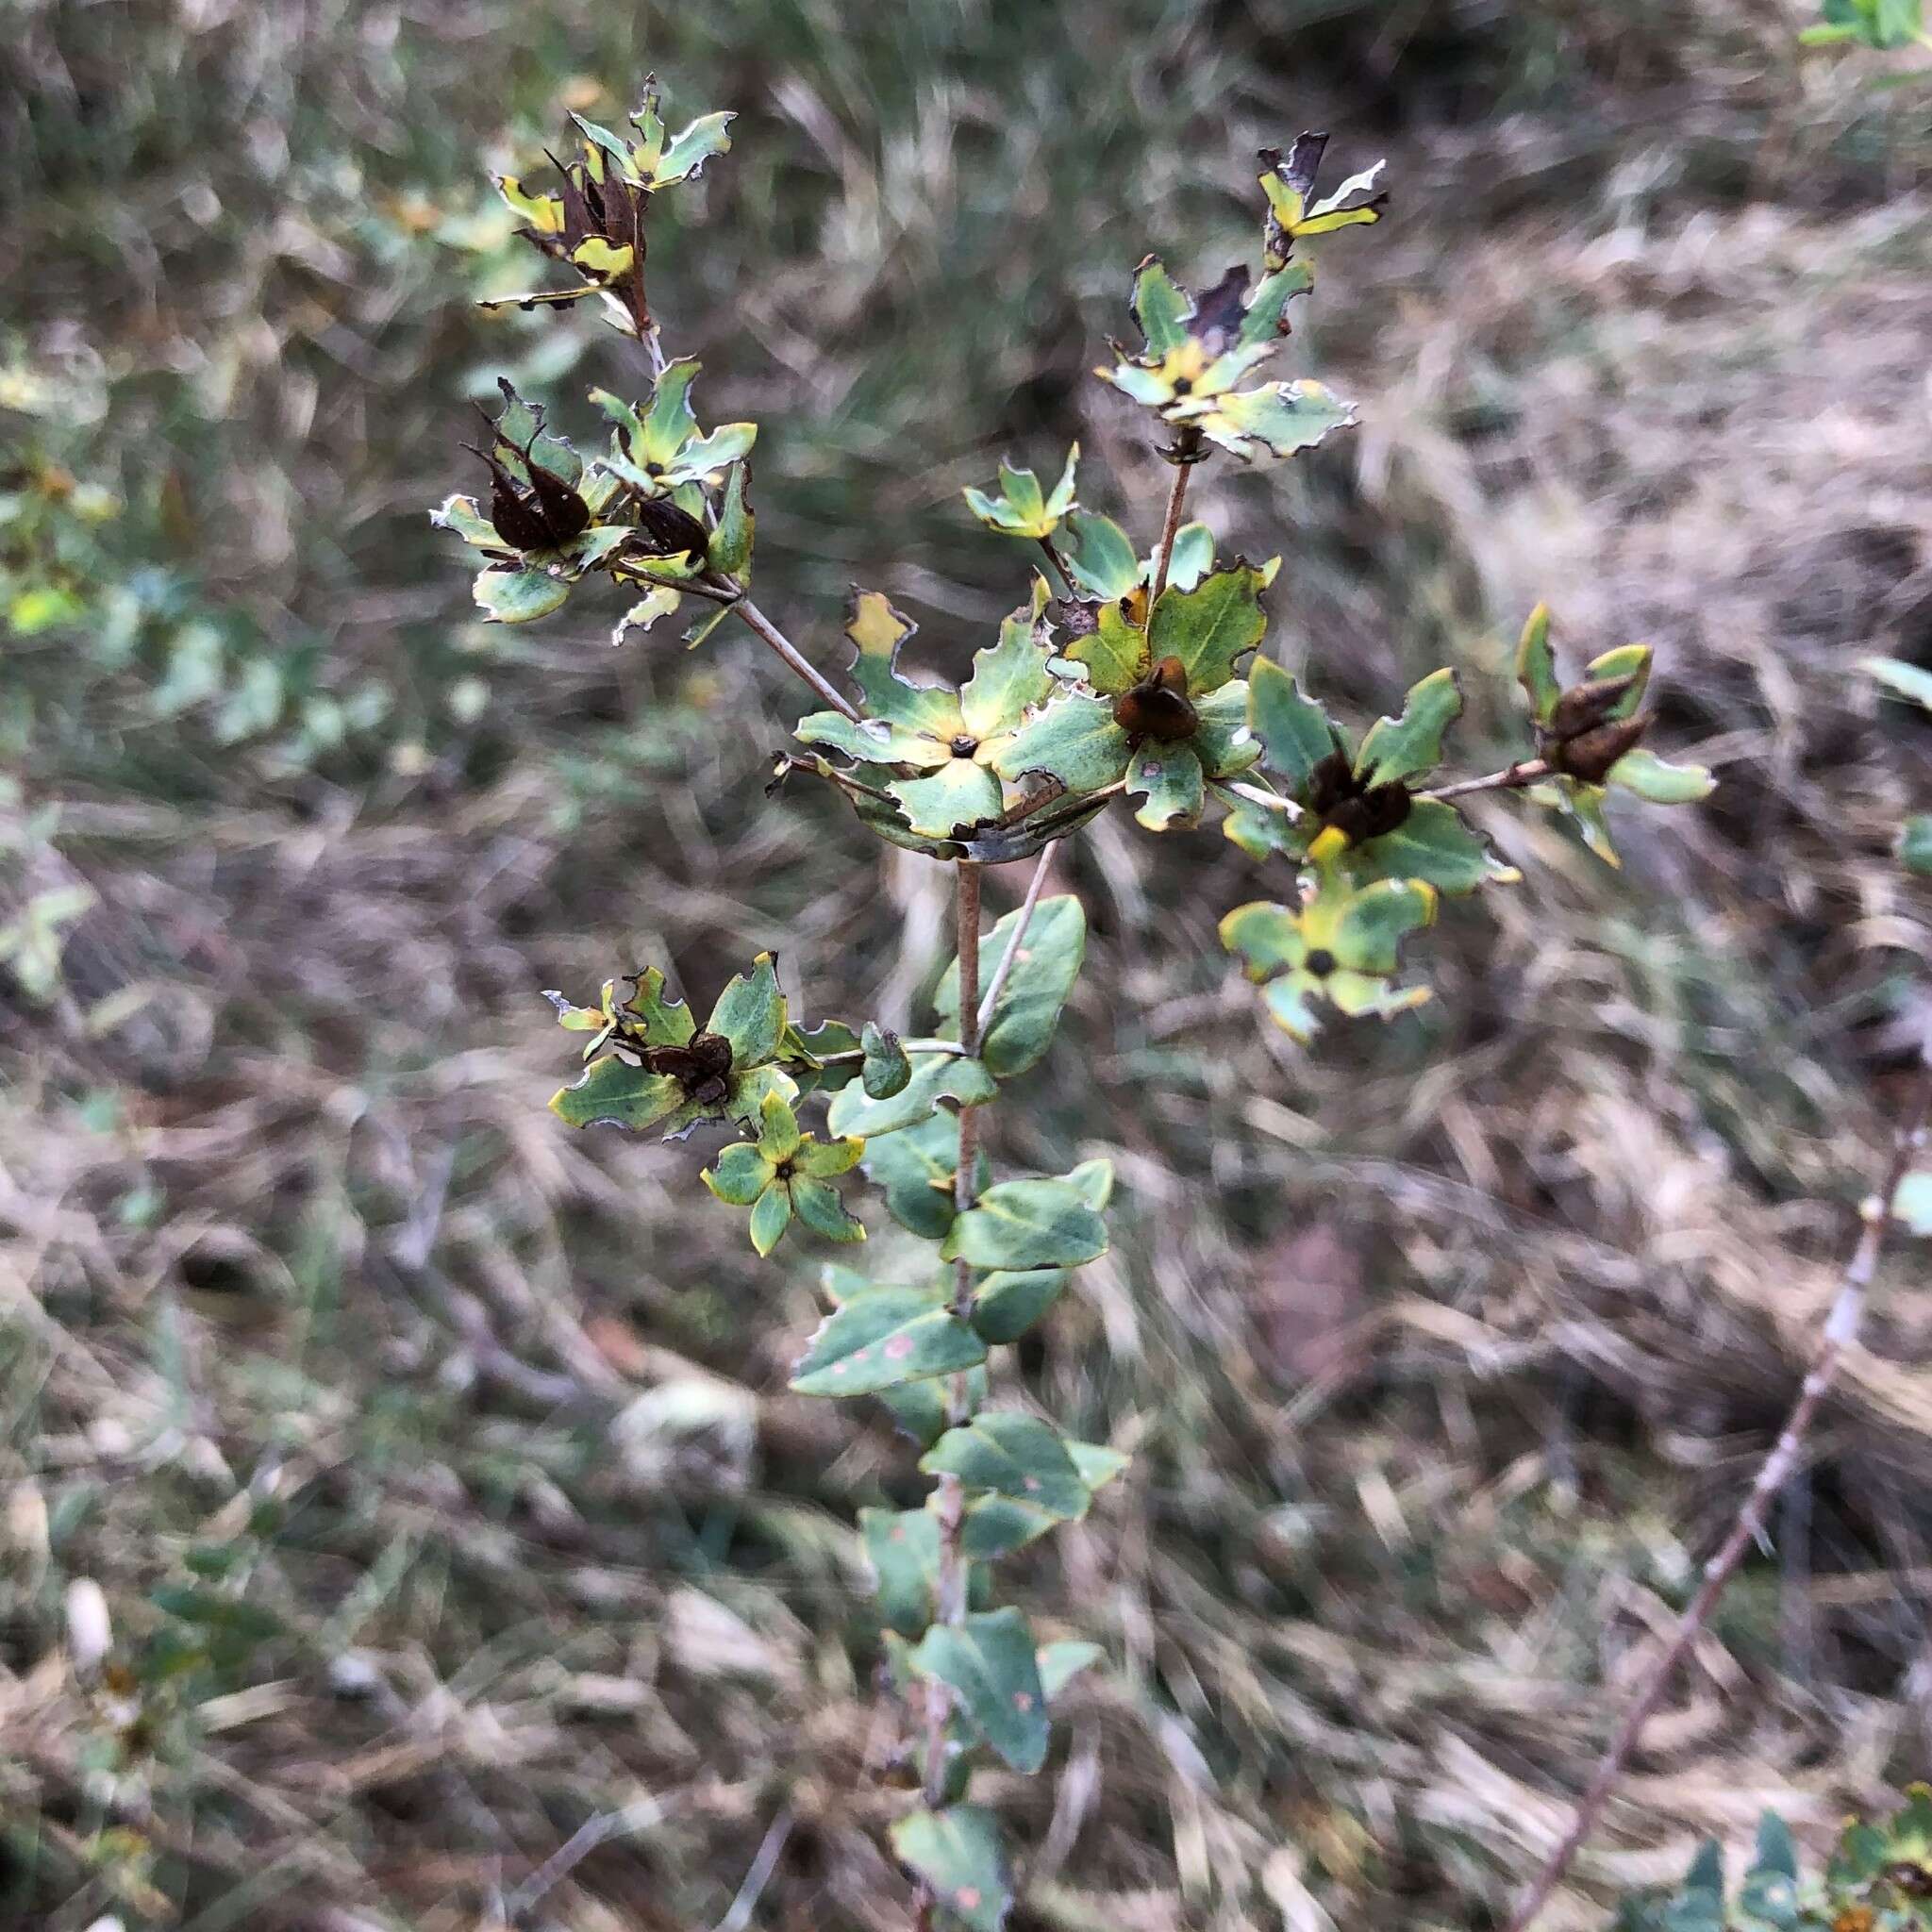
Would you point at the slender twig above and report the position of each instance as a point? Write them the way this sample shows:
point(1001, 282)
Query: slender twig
point(1059, 564)
point(635, 570)
point(1010, 956)
point(1511, 778)
point(602, 1827)
point(949, 1591)
point(858, 1053)
point(771, 1849)
point(1171, 529)
point(1269, 801)
point(789, 652)
point(1841, 1330)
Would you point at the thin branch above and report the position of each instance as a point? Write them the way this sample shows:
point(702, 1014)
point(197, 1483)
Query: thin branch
point(635, 570)
point(1059, 564)
point(1010, 956)
point(1511, 778)
point(1841, 1330)
point(949, 1591)
point(1171, 529)
point(789, 652)
point(858, 1053)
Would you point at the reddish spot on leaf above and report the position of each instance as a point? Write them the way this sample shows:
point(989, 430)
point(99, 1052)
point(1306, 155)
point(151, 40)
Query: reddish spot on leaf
point(1022, 1700)
point(898, 1348)
point(967, 1898)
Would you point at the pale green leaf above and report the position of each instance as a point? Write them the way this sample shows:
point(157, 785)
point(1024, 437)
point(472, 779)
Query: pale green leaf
point(1027, 1223)
point(1028, 1008)
point(1398, 748)
point(885, 1336)
point(989, 1661)
point(935, 1077)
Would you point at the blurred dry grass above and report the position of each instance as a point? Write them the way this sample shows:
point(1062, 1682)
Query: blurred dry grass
point(1444, 1350)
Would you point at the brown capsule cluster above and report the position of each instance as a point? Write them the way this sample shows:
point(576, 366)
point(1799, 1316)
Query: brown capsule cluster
point(543, 513)
point(1339, 801)
point(610, 209)
point(666, 529)
point(1582, 739)
point(702, 1066)
point(1157, 707)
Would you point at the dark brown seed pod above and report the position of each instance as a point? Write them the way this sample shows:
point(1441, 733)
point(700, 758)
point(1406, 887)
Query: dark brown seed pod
point(668, 530)
point(1591, 754)
point(1584, 706)
point(1157, 707)
point(701, 1066)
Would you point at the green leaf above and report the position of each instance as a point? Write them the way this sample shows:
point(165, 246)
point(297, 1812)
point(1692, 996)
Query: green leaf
point(936, 1077)
point(997, 1526)
point(1114, 652)
point(1061, 1662)
point(1277, 419)
point(1192, 559)
point(1028, 1008)
point(1770, 1891)
point(662, 1021)
point(617, 1094)
point(1632, 661)
point(1094, 1181)
point(730, 549)
point(878, 633)
point(1915, 844)
point(1536, 665)
point(886, 1069)
point(1027, 1223)
point(923, 1410)
point(739, 1176)
point(1398, 748)
point(771, 1215)
point(1097, 1464)
point(1011, 1454)
point(1434, 844)
point(1210, 627)
point(1912, 1205)
point(817, 1204)
point(687, 152)
point(750, 1013)
point(958, 1852)
point(1650, 776)
point(989, 1661)
point(1100, 555)
point(959, 794)
point(883, 1337)
point(1294, 731)
point(914, 1169)
point(1073, 738)
point(670, 422)
point(1222, 740)
point(1008, 677)
point(1006, 1304)
point(1161, 307)
point(518, 596)
point(1375, 921)
point(903, 1547)
point(661, 600)
point(1169, 779)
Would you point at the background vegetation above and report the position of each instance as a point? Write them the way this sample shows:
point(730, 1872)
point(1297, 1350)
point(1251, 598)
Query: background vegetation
point(433, 1463)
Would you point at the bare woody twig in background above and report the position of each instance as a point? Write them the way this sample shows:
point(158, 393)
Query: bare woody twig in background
point(1841, 1330)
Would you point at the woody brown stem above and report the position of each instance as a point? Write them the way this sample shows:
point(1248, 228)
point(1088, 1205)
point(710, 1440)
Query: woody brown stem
point(1511, 778)
point(788, 652)
point(1841, 1330)
point(1171, 529)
